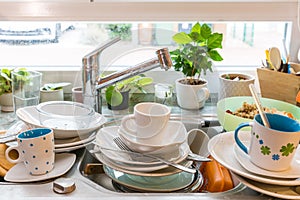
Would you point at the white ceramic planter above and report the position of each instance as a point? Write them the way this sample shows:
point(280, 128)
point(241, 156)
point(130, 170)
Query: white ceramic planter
point(6, 102)
point(51, 95)
point(230, 88)
point(191, 96)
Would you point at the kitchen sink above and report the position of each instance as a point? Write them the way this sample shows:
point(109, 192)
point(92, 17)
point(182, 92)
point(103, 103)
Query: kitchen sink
point(92, 169)
point(92, 182)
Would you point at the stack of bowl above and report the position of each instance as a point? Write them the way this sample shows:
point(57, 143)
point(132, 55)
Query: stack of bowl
point(148, 131)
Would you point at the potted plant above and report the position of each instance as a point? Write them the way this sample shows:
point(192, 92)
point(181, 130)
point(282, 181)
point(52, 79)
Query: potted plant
point(117, 95)
point(52, 92)
point(235, 84)
point(197, 49)
point(6, 98)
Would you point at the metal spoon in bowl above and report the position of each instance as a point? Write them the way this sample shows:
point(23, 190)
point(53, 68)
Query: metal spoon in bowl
point(259, 106)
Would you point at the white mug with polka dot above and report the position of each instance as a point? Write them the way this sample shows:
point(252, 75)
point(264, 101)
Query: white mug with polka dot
point(36, 150)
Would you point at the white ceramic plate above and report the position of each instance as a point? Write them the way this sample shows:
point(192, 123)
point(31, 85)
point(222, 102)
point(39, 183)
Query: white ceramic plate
point(105, 138)
point(244, 160)
point(140, 167)
point(30, 116)
point(151, 184)
point(221, 147)
point(63, 163)
point(163, 170)
point(282, 192)
point(63, 143)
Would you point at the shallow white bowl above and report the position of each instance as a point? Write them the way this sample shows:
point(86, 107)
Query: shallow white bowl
point(65, 115)
point(174, 135)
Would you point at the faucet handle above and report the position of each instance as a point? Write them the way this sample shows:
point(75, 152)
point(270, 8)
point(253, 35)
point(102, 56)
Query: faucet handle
point(164, 58)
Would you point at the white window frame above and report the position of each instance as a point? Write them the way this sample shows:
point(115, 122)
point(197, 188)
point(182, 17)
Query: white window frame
point(157, 10)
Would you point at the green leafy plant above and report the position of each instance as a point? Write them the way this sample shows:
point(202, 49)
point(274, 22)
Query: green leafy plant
point(113, 93)
point(196, 51)
point(54, 86)
point(6, 81)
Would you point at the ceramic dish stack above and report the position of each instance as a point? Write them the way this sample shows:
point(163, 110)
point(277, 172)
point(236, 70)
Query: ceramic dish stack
point(74, 124)
point(283, 184)
point(132, 174)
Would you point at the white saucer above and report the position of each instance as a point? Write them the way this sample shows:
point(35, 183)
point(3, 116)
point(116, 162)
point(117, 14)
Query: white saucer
point(282, 192)
point(63, 163)
point(30, 116)
point(173, 135)
point(105, 138)
point(244, 160)
point(221, 147)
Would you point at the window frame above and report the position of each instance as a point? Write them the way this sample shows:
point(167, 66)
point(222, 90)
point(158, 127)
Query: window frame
point(157, 10)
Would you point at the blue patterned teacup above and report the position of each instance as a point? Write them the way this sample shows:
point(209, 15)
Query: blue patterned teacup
point(36, 150)
point(271, 148)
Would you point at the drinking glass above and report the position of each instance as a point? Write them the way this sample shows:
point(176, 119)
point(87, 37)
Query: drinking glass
point(26, 88)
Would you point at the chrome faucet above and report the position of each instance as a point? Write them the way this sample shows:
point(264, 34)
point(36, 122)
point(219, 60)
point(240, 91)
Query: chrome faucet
point(93, 83)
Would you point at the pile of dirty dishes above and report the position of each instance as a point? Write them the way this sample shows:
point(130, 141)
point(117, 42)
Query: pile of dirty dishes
point(269, 165)
point(149, 131)
point(67, 119)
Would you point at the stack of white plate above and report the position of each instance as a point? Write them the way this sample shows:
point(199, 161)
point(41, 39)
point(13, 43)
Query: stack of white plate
point(30, 116)
point(66, 139)
point(61, 145)
point(284, 184)
point(143, 174)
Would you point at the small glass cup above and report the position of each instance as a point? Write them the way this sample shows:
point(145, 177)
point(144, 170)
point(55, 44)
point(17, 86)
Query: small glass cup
point(26, 88)
point(163, 93)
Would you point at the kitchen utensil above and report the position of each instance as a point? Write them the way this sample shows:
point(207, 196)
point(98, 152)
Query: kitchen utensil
point(136, 155)
point(105, 136)
point(269, 63)
point(275, 57)
point(191, 155)
point(259, 106)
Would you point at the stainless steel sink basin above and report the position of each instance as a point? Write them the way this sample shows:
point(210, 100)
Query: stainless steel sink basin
point(91, 169)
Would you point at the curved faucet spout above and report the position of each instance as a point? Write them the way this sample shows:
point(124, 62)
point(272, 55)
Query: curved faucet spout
point(90, 72)
point(92, 88)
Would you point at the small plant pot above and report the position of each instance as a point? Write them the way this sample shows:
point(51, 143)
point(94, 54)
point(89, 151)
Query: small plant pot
point(51, 95)
point(6, 102)
point(235, 84)
point(124, 105)
point(77, 94)
point(191, 96)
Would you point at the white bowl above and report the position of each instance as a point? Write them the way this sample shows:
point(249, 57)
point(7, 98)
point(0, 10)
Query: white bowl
point(174, 135)
point(65, 115)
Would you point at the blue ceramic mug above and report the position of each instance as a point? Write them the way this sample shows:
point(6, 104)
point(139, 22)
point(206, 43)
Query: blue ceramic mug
point(271, 148)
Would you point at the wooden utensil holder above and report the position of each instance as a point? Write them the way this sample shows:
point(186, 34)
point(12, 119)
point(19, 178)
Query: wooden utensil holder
point(278, 85)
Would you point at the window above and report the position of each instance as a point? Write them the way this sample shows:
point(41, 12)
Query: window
point(59, 34)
